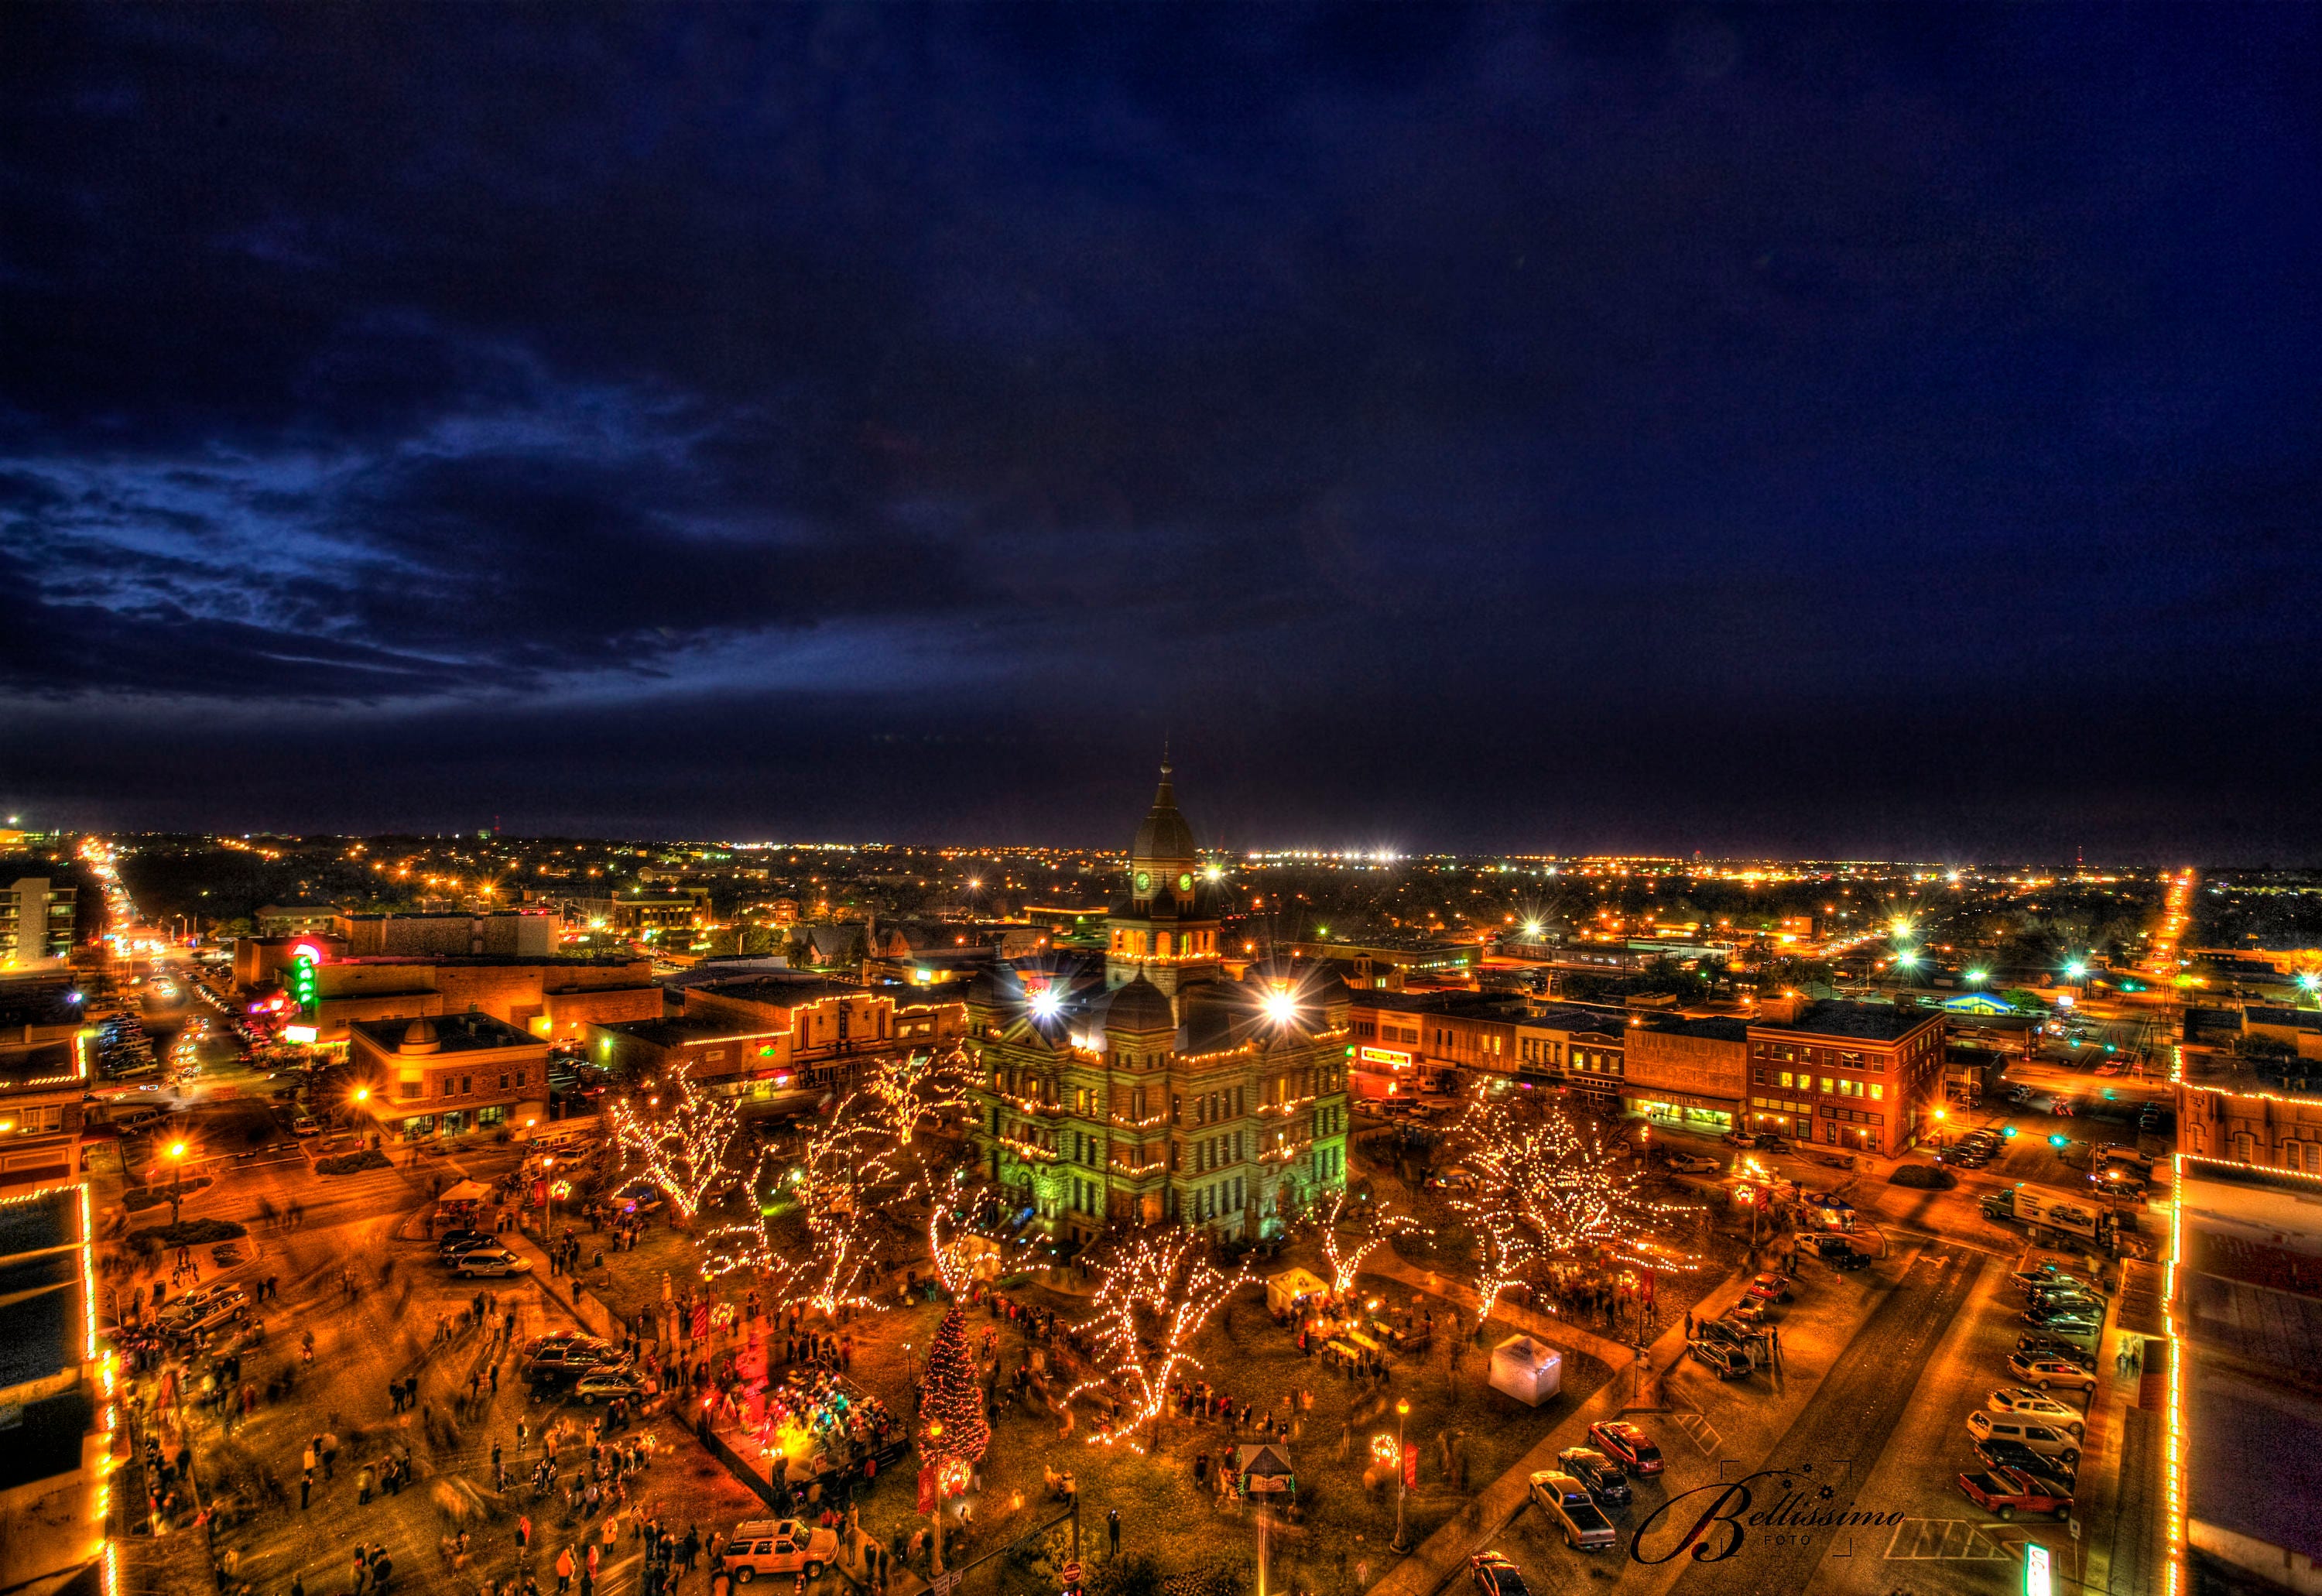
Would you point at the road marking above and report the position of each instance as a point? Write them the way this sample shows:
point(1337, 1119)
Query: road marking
point(1699, 1431)
point(1954, 1540)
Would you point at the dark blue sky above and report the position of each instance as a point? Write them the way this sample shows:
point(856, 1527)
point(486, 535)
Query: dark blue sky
point(1851, 430)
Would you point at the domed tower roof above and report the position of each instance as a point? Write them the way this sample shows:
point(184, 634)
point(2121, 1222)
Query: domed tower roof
point(1140, 1007)
point(1164, 834)
point(420, 1037)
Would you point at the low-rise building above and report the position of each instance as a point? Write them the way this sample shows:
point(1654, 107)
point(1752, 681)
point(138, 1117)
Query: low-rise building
point(553, 997)
point(44, 1074)
point(56, 1394)
point(1587, 1049)
point(1861, 1076)
point(1688, 1075)
point(500, 933)
point(440, 1076)
point(637, 911)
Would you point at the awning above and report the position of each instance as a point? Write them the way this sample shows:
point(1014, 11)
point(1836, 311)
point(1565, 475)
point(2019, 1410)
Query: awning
point(466, 1191)
point(2138, 1311)
point(1682, 1100)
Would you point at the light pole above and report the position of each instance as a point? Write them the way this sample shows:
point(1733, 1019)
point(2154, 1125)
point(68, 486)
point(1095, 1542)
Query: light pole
point(1402, 1472)
point(935, 1498)
point(177, 1179)
point(1942, 1114)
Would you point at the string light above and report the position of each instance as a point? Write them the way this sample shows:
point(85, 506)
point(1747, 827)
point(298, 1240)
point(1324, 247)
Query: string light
point(685, 1151)
point(1375, 1223)
point(1155, 1293)
point(1549, 1191)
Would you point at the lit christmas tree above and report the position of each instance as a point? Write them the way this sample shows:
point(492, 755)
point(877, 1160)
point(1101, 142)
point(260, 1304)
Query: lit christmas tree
point(952, 1428)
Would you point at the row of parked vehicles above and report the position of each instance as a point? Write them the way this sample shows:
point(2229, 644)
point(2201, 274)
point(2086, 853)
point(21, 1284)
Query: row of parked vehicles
point(1578, 1495)
point(2027, 1438)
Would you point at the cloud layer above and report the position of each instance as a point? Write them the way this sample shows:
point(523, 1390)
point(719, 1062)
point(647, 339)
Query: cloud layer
point(1429, 376)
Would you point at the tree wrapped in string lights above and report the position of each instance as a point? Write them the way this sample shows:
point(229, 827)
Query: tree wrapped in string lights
point(860, 1162)
point(1371, 1227)
point(1156, 1292)
point(1550, 1190)
point(684, 1140)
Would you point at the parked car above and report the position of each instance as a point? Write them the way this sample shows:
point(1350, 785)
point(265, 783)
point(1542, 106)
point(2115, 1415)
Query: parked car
point(568, 1360)
point(1727, 1363)
point(483, 1262)
point(2045, 1439)
point(306, 1125)
point(776, 1546)
point(2047, 1371)
point(1694, 1163)
point(2044, 1274)
point(2014, 1454)
point(204, 1308)
point(1627, 1446)
point(2049, 1344)
point(1574, 1512)
point(604, 1384)
point(1493, 1574)
point(2004, 1493)
point(1600, 1473)
point(1770, 1288)
point(2033, 1404)
point(1751, 1311)
point(463, 1241)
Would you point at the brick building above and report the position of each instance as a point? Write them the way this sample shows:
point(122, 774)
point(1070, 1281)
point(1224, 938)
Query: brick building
point(556, 999)
point(500, 933)
point(1688, 1075)
point(1855, 1075)
point(430, 1077)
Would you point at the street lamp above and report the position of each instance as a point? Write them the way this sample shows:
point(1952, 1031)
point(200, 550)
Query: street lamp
point(1402, 1417)
point(934, 1516)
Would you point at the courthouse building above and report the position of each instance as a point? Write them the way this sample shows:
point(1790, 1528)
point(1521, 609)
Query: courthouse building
point(1156, 1087)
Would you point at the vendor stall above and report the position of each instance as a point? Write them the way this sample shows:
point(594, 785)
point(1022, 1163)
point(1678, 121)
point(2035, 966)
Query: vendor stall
point(1285, 1291)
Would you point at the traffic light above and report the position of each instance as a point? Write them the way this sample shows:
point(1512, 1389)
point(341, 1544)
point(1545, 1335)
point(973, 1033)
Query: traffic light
point(2008, 1131)
point(2059, 1139)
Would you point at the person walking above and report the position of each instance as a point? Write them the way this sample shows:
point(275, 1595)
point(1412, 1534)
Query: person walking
point(563, 1571)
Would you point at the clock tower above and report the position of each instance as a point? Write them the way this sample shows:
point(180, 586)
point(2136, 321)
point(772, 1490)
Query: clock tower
point(1166, 929)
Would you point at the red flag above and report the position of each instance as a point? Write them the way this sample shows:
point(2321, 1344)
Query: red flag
point(927, 1488)
point(702, 1319)
point(1410, 1463)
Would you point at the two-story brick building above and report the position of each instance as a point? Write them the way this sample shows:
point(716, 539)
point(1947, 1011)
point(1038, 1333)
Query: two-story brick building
point(1688, 1075)
point(1158, 1088)
point(440, 1076)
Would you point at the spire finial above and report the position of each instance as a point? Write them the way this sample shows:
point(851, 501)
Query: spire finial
point(1165, 754)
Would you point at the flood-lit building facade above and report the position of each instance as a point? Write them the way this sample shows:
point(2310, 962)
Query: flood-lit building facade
point(1156, 1088)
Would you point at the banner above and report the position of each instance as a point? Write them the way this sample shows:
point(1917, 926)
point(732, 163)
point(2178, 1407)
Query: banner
point(1410, 1463)
point(927, 1488)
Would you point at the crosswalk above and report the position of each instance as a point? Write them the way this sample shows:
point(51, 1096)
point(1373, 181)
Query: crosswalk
point(1697, 1430)
point(1954, 1540)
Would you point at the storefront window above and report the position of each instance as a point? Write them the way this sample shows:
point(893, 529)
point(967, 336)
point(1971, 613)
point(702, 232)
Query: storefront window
point(419, 1125)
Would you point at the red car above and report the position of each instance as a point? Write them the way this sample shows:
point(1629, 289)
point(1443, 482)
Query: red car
point(1771, 1288)
point(2005, 1492)
point(1627, 1446)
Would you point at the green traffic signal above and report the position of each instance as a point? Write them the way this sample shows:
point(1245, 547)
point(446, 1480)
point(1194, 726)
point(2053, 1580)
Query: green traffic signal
point(2008, 1131)
point(2058, 1139)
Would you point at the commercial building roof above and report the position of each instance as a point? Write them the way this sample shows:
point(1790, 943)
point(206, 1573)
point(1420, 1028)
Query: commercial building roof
point(1861, 1022)
point(474, 1032)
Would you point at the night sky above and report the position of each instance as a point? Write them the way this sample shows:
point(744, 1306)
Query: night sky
point(1866, 430)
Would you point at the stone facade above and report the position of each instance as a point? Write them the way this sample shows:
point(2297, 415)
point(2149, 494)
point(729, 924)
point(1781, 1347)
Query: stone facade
point(1157, 1089)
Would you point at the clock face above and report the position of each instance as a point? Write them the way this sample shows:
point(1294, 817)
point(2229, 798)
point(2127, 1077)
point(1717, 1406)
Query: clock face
point(1144, 880)
point(1186, 881)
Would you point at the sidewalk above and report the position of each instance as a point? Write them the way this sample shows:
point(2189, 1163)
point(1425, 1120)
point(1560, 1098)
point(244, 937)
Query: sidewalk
point(1547, 1326)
